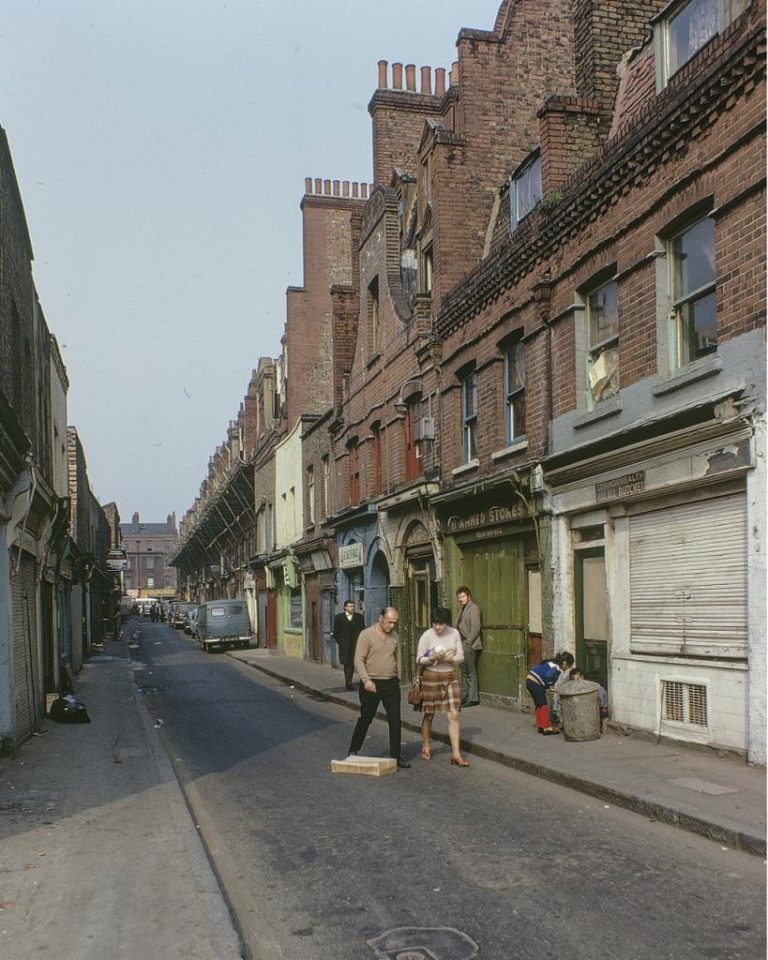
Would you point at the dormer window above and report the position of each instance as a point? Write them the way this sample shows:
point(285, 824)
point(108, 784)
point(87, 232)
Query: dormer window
point(525, 188)
point(685, 26)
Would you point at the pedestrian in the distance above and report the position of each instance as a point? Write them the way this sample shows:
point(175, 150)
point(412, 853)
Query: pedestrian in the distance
point(347, 626)
point(438, 652)
point(377, 662)
point(470, 626)
point(540, 678)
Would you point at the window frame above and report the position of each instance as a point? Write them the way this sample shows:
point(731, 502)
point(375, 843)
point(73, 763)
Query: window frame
point(377, 477)
point(519, 176)
point(595, 348)
point(668, 65)
point(311, 495)
point(468, 386)
point(374, 316)
point(678, 299)
point(514, 395)
point(353, 462)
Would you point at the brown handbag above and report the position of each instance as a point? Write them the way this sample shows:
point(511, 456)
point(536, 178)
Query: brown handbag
point(415, 696)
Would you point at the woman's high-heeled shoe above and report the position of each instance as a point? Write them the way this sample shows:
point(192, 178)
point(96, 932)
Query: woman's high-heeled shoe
point(426, 753)
point(459, 762)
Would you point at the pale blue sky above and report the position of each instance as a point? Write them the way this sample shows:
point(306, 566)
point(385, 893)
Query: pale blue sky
point(161, 148)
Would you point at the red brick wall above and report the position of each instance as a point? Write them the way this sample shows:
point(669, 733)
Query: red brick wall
point(330, 226)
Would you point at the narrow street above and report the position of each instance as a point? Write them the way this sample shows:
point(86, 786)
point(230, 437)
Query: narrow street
point(317, 866)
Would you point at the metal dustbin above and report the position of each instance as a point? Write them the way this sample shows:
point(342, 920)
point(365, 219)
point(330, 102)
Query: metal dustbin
point(580, 710)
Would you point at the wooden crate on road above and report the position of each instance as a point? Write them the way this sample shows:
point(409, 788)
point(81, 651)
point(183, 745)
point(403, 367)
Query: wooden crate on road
point(365, 766)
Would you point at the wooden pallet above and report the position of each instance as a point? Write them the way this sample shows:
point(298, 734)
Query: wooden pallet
point(365, 766)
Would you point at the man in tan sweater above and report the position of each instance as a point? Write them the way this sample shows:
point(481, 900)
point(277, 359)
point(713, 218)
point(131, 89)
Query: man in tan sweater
point(377, 662)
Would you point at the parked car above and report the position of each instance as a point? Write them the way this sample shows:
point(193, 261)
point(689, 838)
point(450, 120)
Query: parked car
point(222, 624)
point(179, 614)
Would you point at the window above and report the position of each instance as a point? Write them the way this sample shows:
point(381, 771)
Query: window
point(469, 416)
point(150, 563)
point(373, 316)
point(525, 189)
point(270, 527)
point(688, 26)
point(167, 546)
point(427, 269)
point(378, 485)
point(514, 391)
point(602, 316)
point(691, 279)
point(326, 486)
point(311, 494)
point(412, 452)
point(353, 454)
point(150, 582)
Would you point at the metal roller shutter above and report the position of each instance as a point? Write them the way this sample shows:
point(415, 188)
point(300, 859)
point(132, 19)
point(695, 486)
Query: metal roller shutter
point(688, 579)
point(25, 673)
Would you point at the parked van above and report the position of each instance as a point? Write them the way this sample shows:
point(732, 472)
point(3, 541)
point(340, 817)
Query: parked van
point(222, 624)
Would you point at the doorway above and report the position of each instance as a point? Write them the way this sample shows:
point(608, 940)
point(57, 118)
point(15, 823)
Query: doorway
point(591, 609)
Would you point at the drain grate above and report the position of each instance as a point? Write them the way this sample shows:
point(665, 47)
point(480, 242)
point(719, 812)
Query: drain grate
point(31, 802)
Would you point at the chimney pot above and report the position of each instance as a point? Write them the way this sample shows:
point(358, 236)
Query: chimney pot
point(397, 76)
point(426, 80)
point(327, 187)
point(336, 188)
point(364, 189)
point(455, 73)
point(440, 82)
point(355, 189)
point(345, 188)
point(410, 77)
point(383, 74)
point(318, 185)
point(307, 184)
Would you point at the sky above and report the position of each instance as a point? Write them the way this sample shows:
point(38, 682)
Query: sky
point(161, 148)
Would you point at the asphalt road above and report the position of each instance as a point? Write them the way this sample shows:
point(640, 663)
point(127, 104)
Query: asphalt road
point(433, 862)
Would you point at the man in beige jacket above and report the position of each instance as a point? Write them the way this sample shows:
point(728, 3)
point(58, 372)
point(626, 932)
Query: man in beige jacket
point(377, 662)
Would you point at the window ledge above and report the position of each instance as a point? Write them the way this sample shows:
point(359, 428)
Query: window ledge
point(606, 408)
point(372, 359)
point(465, 468)
point(512, 448)
point(698, 370)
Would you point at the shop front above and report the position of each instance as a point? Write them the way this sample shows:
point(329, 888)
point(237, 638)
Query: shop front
point(491, 545)
point(654, 559)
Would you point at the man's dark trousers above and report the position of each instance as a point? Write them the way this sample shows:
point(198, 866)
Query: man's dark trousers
point(388, 694)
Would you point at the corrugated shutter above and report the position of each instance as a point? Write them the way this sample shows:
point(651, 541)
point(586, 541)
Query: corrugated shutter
point(25, 680)
point(688, 579)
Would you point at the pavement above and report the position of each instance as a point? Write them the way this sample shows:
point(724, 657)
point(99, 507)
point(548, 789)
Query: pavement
point(100, 854)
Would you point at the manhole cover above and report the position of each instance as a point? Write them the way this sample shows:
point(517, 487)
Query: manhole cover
point(32, 802)
point(424, 943)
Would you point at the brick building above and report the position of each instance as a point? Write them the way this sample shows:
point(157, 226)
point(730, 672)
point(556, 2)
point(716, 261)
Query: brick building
point(45, 568)
point(149, 549)
point(538, 365)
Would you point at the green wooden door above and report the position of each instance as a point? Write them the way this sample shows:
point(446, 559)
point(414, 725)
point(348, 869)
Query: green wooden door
point(495, 573)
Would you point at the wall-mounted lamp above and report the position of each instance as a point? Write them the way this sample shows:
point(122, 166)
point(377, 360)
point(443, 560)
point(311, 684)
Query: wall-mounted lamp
point(426, 425)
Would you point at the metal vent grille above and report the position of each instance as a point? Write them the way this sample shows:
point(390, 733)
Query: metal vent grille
point(684, 703)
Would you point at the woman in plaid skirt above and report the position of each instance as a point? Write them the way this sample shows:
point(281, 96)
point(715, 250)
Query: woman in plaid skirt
point(438, 653)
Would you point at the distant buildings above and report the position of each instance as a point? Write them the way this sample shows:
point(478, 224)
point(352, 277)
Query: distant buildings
point(58, 599)
point(530, 358)
point(149, 548)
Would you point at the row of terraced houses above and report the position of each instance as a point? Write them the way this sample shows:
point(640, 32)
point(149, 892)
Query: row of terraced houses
point(530, 357)
point(59, 599)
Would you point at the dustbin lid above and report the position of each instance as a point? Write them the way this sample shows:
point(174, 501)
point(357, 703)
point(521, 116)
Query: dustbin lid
point(574, 688)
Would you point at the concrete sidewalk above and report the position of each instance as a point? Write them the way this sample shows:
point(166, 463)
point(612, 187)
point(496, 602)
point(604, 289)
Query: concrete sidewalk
point(697, 789)
point(100, 857)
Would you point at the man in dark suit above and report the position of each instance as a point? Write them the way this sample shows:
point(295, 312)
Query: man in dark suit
point(469, 625)
point(346, 629)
